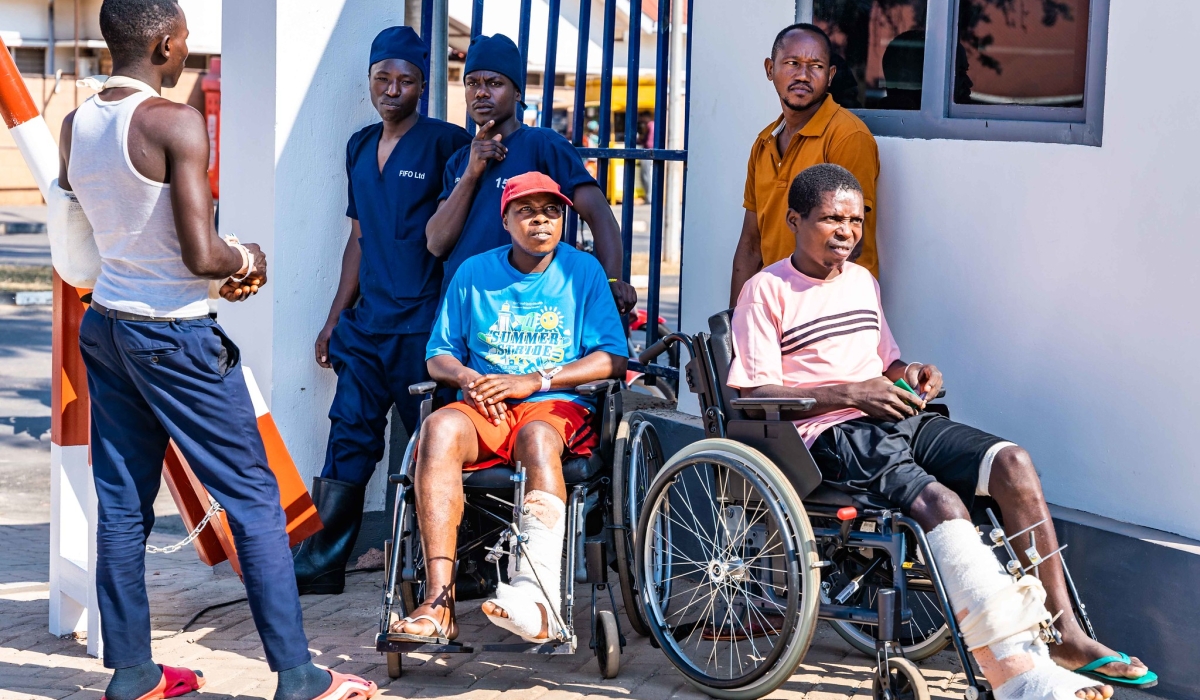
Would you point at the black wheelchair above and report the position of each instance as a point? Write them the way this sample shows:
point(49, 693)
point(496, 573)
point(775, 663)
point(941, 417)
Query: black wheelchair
point(740, 550)
point(597, 506)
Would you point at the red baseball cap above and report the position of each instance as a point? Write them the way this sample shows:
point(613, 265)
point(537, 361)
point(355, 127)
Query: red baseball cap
point(527, 184)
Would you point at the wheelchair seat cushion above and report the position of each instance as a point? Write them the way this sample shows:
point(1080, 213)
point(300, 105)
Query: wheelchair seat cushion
point(573, 422)
point(576, 470)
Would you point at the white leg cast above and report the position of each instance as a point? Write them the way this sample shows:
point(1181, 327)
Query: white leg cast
point(545, 524)
point(999, 618)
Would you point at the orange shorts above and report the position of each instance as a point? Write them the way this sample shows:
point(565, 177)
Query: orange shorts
point(572, 421)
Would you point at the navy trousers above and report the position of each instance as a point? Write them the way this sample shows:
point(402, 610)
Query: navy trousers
point(151, 382)
point(374, 372)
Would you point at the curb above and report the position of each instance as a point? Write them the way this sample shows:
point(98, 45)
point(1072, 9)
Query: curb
point(45, 298)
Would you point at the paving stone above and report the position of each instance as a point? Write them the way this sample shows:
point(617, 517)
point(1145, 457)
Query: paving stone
point(224, 644)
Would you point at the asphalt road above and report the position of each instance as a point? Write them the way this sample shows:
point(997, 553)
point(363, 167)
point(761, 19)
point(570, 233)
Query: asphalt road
point(24, 414)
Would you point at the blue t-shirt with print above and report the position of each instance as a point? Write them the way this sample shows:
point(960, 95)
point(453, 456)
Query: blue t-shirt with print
point(496, 319)
point(530, 149)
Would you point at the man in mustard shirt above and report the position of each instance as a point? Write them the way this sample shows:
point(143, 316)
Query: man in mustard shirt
point(812, 129)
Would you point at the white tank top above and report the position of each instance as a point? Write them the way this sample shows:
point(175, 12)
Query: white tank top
point(141, 265)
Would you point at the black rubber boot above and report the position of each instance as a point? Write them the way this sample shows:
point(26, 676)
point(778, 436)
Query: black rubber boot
point(320, 560)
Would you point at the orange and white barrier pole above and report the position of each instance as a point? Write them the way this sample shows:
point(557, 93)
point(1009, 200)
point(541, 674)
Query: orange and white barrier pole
point(72, 491)
point(29, 130)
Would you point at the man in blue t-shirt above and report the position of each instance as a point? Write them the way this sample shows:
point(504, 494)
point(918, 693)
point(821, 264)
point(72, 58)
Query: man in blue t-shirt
point(467, 221)
point(377, 347)
point(520, 328)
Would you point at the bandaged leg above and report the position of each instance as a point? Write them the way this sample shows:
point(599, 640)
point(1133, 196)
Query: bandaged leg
point(1000, 618)
point(541, 561)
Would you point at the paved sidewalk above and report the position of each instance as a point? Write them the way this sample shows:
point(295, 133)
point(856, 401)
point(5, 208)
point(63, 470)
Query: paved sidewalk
point(224, 644)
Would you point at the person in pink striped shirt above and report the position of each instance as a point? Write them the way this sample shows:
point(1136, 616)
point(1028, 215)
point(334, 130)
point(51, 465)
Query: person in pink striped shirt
point(812, 325)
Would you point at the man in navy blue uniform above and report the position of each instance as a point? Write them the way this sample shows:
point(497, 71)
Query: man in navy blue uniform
point(377, 348)
point(468, 219)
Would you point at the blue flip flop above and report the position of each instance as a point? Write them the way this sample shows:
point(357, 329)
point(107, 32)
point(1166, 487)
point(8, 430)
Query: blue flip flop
point(1147, 681)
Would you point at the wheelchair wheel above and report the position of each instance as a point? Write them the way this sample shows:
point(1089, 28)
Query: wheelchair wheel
point(637, 457)
point(740, 609)
point(922, 636)
point(608, 644)
point(905, 682)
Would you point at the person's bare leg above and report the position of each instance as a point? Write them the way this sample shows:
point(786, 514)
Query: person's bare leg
point(1017, 489)
point(937, 504)
point(448, 441)
point(539, 449)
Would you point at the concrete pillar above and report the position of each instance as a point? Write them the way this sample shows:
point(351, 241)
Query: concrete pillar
point(731, 101)
point(294, 88)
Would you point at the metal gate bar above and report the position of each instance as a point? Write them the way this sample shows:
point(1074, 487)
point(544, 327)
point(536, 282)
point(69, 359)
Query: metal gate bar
point(631, 152)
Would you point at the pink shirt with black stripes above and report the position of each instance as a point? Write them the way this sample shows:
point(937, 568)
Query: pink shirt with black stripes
point(793, 330)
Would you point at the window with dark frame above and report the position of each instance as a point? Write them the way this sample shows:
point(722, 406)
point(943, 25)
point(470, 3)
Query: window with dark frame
point(1008, 70)
point(30, 60)
point(879, 51)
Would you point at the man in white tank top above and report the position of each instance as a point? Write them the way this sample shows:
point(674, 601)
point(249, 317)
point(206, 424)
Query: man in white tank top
point(159, 368)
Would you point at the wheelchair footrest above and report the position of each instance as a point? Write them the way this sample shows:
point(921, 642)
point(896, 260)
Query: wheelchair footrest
point(385, 643)
point(551, 648)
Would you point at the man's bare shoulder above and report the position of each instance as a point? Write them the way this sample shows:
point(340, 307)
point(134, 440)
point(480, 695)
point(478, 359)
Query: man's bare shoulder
point(170, 123)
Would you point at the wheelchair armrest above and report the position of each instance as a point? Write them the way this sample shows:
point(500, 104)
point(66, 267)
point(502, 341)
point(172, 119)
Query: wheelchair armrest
point(596, 388)
point(773, 408)
point(422, 388)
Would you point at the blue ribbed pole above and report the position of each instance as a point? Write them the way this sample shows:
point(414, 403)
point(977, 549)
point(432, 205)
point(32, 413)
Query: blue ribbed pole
point(662, 61)
point(584, 24)
point(523, 47)
point(426, 28)
point(551, 66)
point(606, 71)
point(523, 36)
point(629, 171)
point(687, 120)
point(476, 18)
point(476, 30)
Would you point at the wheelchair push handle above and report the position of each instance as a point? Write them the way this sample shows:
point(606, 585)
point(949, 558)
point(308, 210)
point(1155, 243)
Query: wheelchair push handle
point(662, 345)
point(422, 388)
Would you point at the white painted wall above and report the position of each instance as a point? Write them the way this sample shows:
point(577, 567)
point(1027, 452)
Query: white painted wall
point(731, 101)
point(290, 99)
point(204, 25)
point(30, 20)
point(1056, 286)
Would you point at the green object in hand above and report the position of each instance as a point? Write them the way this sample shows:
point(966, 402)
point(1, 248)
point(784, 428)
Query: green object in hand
point(904, 385)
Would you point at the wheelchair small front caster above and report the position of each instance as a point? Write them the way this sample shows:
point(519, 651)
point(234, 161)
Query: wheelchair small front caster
point(905, 682)
point(395, 669)
point(608, 644)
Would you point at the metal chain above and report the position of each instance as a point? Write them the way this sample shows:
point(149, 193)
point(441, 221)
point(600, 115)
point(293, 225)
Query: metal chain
point(212, 510)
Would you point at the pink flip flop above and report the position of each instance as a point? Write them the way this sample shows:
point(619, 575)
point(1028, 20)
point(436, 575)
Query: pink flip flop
point(346, 687)
point(175, 682)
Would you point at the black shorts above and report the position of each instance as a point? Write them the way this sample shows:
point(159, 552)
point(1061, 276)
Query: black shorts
point(885, 464)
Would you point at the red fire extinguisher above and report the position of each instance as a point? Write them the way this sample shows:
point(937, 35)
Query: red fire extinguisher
point(212, 115)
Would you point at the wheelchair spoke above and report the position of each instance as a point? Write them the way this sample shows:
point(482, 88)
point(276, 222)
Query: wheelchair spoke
point(735, 597)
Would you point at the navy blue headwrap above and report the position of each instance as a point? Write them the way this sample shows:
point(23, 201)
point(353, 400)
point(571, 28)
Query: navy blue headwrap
point(400, 42)
point(499, 54)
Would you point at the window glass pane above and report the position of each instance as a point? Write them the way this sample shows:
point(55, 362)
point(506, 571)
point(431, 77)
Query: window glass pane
point(1021, 52)
point(879, 48)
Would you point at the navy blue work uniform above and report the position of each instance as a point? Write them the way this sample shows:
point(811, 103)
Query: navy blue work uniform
point(378, 347)
point(151, 382)
point(530, 149)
